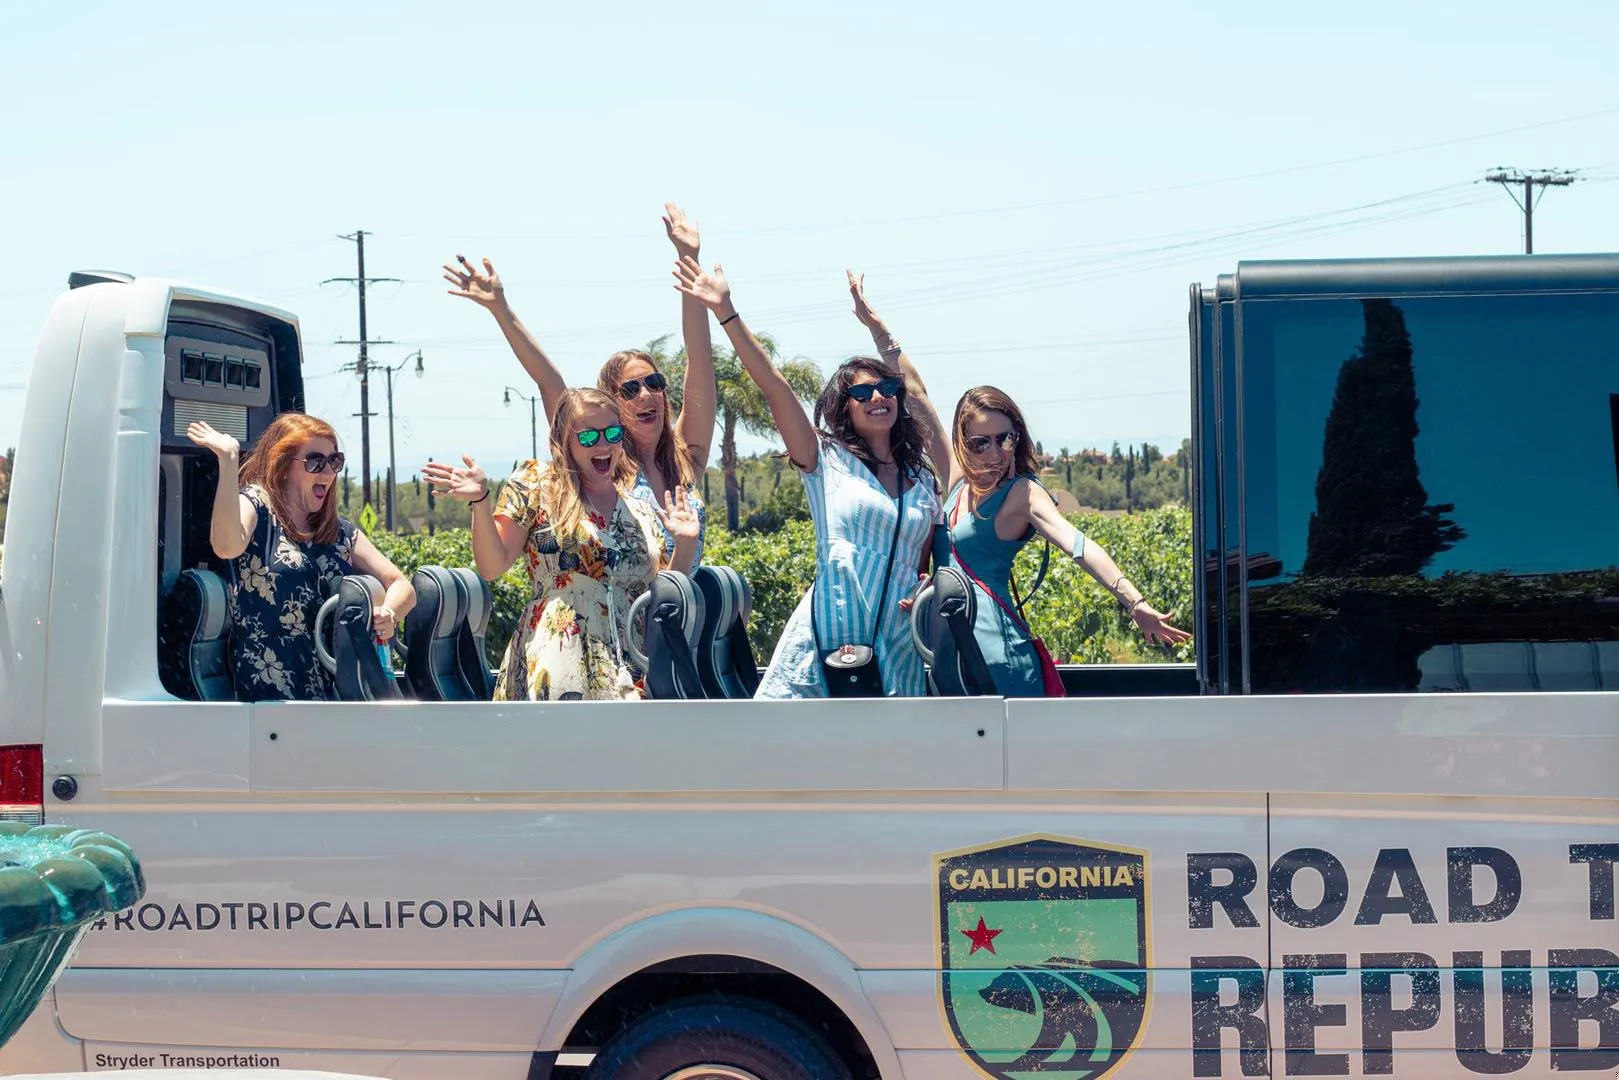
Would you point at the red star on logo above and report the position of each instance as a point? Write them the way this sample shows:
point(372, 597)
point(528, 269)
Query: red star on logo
point(982, 937)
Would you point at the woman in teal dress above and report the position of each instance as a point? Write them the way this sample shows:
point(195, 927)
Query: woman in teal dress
point(995, 506)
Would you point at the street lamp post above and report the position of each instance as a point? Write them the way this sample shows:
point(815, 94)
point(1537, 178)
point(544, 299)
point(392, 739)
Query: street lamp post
point(417, 355)
point(533, 421)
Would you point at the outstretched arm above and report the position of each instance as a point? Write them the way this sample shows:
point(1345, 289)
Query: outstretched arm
point(1095, 561)
point(496, 541)
point(711, 288)
point(483, 288)
point(916, 390)
point(699, 404)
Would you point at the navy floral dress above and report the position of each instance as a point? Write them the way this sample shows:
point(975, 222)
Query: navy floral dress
point(277, 585)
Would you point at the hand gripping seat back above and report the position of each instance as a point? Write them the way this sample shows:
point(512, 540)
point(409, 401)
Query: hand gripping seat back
point(194, 638)
point(674, 618)
point(474, 658)
point(725, 660)
point(958, 668)
point(359, 673)
point(432, 637)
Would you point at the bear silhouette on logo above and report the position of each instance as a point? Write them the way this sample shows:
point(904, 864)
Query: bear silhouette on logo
point(1066, 999)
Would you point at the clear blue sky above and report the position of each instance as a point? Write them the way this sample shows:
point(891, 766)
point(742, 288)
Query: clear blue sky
point(1029, 187)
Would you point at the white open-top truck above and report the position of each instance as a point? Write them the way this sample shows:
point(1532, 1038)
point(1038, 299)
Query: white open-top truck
point(1373, 831)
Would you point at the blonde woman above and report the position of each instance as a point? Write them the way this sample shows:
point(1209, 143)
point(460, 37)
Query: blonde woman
point(667, 450)
point(590, 548)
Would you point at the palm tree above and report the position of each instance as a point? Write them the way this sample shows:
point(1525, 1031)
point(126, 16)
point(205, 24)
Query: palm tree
point(740, 402)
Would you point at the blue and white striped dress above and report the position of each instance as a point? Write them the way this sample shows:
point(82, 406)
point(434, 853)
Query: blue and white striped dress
point(854, 530)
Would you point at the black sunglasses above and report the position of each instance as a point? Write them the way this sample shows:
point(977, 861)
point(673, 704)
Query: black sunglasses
point(592, 436)
point(891, 387)
point(978, 444)
point(317, 462)
point(631, 390)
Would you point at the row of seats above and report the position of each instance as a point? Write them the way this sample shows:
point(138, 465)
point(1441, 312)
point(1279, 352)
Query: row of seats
point(692, 638)
point(443, 639)
point(696, 639)
point(689, 634)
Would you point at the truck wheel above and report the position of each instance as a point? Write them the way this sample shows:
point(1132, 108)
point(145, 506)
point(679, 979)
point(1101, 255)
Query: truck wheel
point(718, 1039)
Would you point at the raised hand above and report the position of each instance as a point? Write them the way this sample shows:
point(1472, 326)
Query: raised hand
point(205, 436)
point(862, 307)
point(466, 483)
point(707, 286)
point(677, 515)
point(482, 287)
point(682, 231)
point(1155, 626)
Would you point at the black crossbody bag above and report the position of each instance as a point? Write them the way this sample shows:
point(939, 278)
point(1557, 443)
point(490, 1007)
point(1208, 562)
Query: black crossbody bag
point(854, 673)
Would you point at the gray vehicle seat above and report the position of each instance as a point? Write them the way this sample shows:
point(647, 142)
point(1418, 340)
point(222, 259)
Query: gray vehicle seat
point(724, 656)
point(432, 637)
point(942, 628)
point(346, 645)
point(194, 638)
point(673, 609)
point(474, 629)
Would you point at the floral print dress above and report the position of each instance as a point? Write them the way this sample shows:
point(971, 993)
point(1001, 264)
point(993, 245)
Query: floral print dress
point(277, 585)
point(569, 642)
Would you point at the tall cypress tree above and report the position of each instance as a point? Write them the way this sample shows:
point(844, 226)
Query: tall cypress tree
point(1372, 515)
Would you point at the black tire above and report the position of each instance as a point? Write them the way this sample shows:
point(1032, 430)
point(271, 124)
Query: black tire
point(759, 1039)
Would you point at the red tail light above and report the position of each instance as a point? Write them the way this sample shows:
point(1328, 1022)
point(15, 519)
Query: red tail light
point(22, 783)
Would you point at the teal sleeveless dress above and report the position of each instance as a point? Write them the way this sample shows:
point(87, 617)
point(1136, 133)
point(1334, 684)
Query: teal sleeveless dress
point(1003, 639)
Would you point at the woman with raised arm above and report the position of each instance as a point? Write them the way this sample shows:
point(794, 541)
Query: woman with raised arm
point(667, 451)
point(864, 459)
point(275, 521)
point(591, 548)
point(995, 506)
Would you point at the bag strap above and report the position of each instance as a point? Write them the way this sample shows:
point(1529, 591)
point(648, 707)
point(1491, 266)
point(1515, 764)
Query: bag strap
point(888, 572)
point(1039, 578)
point(1016, 615)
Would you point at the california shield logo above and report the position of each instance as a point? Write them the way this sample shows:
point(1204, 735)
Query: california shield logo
point(1045, 965)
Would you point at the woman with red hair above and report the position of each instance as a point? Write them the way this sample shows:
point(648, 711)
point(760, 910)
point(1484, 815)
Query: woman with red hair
point(275, 521)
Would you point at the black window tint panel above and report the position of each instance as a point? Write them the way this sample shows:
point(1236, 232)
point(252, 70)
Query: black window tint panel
point(1429, 472)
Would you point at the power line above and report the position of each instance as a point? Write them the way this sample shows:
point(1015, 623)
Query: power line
point(361, 365)
point(1049, 204)
point(1509, 178)
point(1016, 276)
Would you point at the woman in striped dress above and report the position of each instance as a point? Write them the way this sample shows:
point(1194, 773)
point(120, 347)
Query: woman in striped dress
point(867, 464)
